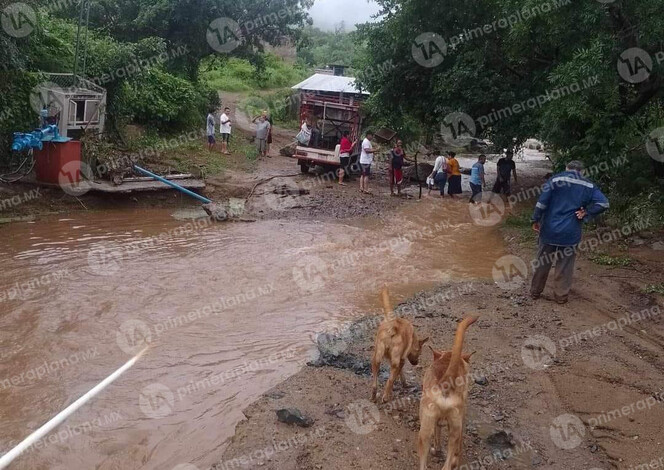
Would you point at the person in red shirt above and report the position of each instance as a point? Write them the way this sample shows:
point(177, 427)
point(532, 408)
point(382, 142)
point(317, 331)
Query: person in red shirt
point(344, 155)
point(395, 167)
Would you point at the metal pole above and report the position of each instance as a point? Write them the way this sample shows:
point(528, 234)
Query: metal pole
point(6, 459)
point(85, 47)
point(78, 37)
point(173, 185)
point(417, 174)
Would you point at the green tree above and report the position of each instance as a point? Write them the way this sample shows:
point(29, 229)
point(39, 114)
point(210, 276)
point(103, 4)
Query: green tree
point(501, 56)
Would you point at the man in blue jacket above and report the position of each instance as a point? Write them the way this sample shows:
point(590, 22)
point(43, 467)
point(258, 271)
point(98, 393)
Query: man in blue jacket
point(567, 201)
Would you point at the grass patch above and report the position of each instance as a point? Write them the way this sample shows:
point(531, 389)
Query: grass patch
point(192, 154)
point(654, 289)
point(521, 220)
point(609, 260)
point(239, 75)
point(281, 104)
point(521, 223)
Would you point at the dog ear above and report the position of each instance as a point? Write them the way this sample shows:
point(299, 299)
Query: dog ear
point(436, 354)
point(466, 357)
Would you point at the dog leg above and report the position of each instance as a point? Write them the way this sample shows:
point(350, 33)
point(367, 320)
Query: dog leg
point(395, 371)
point(428, 425)
point(437, 443)
point(455, 426)
point(404, 384)
point(375, 368)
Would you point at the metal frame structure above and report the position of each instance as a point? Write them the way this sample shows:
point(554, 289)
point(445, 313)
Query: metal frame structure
point(63, 94)
point(336, 111)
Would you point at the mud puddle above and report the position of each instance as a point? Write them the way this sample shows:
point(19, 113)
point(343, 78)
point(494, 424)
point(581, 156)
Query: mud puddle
point(228, 310)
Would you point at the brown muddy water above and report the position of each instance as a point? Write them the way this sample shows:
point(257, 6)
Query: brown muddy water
point(228, 311)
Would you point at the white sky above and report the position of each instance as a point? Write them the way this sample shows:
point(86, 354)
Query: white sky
point(328, 13)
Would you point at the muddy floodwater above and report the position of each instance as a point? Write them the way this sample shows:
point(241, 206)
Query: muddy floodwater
point(228, 311)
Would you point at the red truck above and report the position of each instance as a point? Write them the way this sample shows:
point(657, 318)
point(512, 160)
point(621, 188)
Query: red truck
point(331, 104)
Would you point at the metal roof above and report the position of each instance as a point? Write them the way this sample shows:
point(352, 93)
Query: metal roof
point(331, 83)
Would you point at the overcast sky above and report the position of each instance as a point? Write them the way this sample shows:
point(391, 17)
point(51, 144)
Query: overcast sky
point(327, 13)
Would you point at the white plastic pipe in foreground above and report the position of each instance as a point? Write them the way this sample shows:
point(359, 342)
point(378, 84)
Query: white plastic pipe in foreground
point(6, 459)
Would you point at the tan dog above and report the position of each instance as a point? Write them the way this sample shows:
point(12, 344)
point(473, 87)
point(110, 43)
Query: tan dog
point(444, 397)
point(397, 341)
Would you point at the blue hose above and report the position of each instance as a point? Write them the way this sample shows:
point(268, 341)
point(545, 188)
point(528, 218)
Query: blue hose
point(173, 185)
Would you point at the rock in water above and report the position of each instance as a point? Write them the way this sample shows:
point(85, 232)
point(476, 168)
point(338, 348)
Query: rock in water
point(294, 416)
point(218, 212)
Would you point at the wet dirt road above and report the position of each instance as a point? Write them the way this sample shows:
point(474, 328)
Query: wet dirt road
point(228, 311)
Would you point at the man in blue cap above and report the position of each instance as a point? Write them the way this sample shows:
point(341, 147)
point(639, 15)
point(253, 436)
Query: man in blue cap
point(567, 201)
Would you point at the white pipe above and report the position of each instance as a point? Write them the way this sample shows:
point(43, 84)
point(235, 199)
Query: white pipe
point(6, 459)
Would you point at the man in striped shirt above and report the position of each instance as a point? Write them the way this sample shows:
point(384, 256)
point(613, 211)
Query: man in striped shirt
point(567, 201)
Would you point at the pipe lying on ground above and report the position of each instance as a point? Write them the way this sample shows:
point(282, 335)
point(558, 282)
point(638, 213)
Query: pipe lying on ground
point(204, 200)
point(6, 459)
point(217, 211)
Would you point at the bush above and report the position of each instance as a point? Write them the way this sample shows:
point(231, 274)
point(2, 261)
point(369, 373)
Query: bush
point(162, 100)
point(16, 113)
point(238, 75)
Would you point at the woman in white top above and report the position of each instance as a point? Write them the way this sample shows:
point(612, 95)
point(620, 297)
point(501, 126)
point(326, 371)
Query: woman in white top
point(305, 133)
point(439, 173)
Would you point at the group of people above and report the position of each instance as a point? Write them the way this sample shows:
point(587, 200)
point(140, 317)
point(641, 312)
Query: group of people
point(446, 171)
point(225, 127)
point(263, 131)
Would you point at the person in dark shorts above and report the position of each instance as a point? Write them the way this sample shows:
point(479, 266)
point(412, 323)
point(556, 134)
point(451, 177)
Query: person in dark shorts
point(454, 171)
point(345, 149)
point(397, 156)
point(477, 181)
point(225, 130)
point(506, 168)
point(366, 159)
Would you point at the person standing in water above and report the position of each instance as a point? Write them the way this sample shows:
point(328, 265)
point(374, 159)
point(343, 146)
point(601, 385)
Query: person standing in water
point(439, 173)
point(477, 181)
point(454, 171)
point(506, 169)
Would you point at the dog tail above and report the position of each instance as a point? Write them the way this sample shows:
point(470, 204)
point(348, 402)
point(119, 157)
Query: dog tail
point(388, 311)
point(457, 350)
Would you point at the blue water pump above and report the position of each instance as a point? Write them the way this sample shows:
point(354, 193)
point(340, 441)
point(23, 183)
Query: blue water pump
point(34, 140)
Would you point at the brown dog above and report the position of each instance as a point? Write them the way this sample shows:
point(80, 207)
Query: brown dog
point(444, 396)
point(396, 340)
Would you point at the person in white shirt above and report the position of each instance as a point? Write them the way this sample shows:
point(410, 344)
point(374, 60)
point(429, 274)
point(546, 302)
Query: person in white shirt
point(439, 173)
point(305, 133)
point(366, 159)
point(225, 130)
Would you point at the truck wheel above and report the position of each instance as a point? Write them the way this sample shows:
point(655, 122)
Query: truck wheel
point(304, 167)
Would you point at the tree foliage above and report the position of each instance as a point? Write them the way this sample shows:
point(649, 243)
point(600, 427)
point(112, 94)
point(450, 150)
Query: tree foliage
point(565, 52)
point(319, 48)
